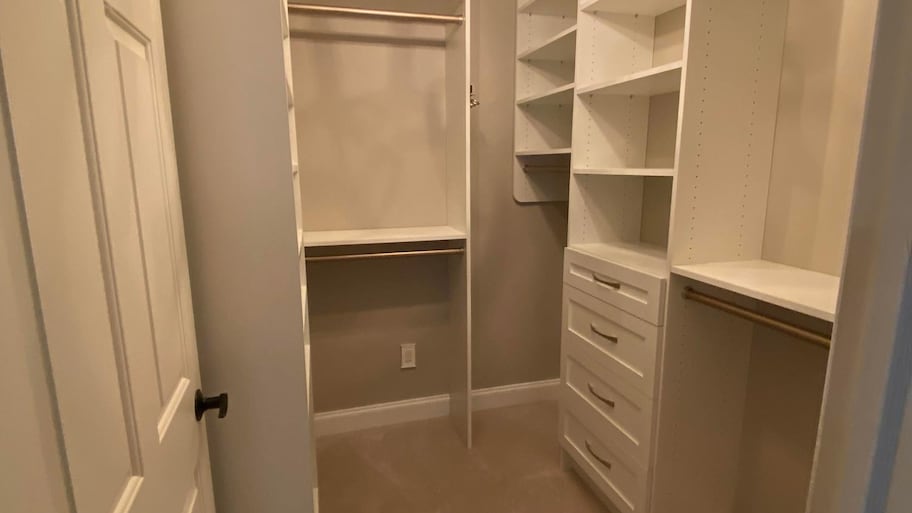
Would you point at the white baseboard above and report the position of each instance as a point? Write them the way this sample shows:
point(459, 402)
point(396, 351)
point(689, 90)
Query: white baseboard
point(384, 414)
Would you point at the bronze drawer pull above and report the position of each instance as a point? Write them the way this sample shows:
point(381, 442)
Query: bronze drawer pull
point(605, 400)
point(597, 457)
point(608, 283)
point(597, 331)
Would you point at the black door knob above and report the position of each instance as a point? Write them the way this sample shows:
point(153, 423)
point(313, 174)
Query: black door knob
point(210, 403)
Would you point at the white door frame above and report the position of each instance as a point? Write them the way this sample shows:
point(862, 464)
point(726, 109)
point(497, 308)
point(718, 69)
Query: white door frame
point(870, 369)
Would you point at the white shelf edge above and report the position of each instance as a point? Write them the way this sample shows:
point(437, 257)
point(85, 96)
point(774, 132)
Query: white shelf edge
point(819, 303)
point(640, 75)
point(537, 98)
point(544, 44)
point(330, 238)
point(542, 152)
point(588, 7)
point(640, 257)
point(624, 171)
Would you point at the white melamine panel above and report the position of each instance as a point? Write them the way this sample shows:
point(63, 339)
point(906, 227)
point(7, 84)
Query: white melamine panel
point(701, 402)
point(657, 80)
point(644, 7)
point(371, 119)
point(803, 291)
point(612, 45)
point(610, 131)
point(728, 119)
point(634, 283)
point(550, 7)
point(605, 209)
point(559, 47)
point(619, 479)
point(604, 336)
point(381, 236)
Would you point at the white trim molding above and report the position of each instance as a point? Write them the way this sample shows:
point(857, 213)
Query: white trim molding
point(385, 414)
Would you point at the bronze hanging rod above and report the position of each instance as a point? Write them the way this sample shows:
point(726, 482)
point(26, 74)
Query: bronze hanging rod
point(372, 13)
point(813, 337)
point(391, 254)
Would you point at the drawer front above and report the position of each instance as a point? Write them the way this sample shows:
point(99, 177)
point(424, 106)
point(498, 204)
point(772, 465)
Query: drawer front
point(612, 339)
point(625, 412)
point(634, 292)
point(622, 483)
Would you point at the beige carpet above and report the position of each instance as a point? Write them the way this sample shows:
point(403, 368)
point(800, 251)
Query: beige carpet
point(422, 467)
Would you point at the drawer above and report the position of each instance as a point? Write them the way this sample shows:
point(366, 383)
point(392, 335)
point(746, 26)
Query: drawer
point(632, 291)
point(617, 341)
point(607, 401)
point(622, 483)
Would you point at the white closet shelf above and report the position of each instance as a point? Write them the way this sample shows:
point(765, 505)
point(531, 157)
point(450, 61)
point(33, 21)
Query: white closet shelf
point(560, 47)
point(381, 236)
point(558, 96)
point(641, 257)
point(300, 242)
point(807, 292)
point(657, 80)
point(644, 7)
point(624, 171)
point(543, 152)
point(552, 7)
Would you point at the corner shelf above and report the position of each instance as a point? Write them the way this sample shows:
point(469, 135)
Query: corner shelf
point(807, 292)
point(643, 7)
point(326, 238)
point(624, 171)
point(543, 152)
point(653, 81)
point(645, 258)
point(560, 47)
point(558, 96)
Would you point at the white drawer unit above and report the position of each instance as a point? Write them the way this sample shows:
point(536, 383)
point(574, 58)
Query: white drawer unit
point(625, 413)
point(620, 480)
point(615, 340)
point(639, 293)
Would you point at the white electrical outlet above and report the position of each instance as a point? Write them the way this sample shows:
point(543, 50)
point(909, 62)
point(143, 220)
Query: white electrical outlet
point(407, 356)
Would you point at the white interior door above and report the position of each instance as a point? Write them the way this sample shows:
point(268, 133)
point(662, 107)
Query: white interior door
point(91, 129)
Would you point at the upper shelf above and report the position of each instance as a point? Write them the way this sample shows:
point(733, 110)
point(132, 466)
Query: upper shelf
point(551, 7)
point(381, 236)
point(562, 95)
point(561, 47)
point(658, 80)
point(807, 292)
point(644, 7)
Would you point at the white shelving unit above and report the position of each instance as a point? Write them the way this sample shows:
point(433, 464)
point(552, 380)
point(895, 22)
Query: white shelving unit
point(546, 40)
point(645, 258)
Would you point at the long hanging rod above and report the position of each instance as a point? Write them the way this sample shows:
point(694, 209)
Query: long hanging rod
point(739, 311)
point(373, 13)
point(391, 254)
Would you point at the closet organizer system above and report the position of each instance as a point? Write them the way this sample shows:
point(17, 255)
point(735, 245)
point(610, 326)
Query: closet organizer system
point(707, 149)
point(383, 176)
